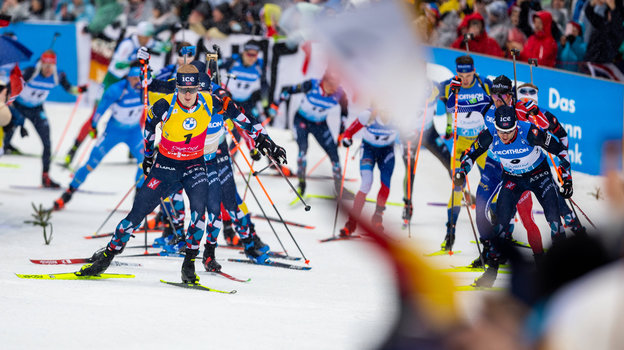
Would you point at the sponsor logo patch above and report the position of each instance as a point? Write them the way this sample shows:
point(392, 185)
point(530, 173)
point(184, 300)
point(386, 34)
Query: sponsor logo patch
point(153, 184)
point(189, 123)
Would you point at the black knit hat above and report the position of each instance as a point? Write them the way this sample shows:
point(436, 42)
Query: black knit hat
point(501, 85)
point(505, 118)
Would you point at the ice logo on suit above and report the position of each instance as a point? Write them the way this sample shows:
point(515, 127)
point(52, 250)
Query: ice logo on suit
point(189, 123)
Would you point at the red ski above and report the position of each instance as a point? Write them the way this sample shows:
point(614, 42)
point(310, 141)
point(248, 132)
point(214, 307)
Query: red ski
point(110, 234)
point(230, 277)
point(77, 261)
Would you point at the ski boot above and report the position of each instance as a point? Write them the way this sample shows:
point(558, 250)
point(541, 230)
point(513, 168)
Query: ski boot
point(10, 150)
point(493, 260)
point(209, 260)
point(348, 229)
point(177, 245)
point(164, 240)
point(408, 209)
point(557, 233)
point(376, 220)
point(101, 261)
point(70, 156)
point(489, 276)
point(302, 187)
point(258, 244)
point(449, 239)
point(47, 182)
point(253, 252)
point(478, 262)
point(231, 239)
point(577, 228)
point(188, 267)
point(65, 197)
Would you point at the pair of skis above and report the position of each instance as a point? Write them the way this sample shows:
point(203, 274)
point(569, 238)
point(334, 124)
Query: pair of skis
point(74, 276)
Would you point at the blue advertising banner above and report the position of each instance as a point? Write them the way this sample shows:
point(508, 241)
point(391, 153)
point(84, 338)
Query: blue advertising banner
point(38, 38)
point(591, 110)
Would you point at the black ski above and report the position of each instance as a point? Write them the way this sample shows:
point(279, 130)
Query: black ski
point(273, 263)
point(280, 256)
point(197, 286)
point(338, 238)
point(163, 253)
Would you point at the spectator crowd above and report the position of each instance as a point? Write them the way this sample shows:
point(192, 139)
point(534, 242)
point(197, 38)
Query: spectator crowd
point(585, 36)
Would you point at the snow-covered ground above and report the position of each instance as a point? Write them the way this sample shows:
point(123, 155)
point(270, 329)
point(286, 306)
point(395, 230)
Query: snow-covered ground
point(347, 300)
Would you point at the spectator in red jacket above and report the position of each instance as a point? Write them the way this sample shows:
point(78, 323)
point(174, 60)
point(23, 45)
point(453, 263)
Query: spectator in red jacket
point(481, 42)
point(541, 44)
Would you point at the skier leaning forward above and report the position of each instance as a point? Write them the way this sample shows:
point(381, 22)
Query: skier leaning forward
point(518, 146)
point(186, 118)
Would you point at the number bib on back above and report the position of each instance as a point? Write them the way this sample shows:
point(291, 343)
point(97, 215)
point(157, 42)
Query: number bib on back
point(184, 132)
point(36, 91)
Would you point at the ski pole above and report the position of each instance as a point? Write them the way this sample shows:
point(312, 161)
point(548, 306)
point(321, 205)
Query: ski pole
point(582, 212)
point(316, 165)
point(259, 206)
point(256, 173)
point(56, 35)
point(453, 159)
point(247, 182)
point(474, 231)
point(344, 172)
point(359, 149)
point(144, 118)
point(572, 203)
point(409, 179)
point(252, 163)
point(218, 51)
point(71, 117)
point(468, 36)
point(145, 228)
point(169, 218)
point(422, 130)
point(469, 192)
point(270, 200)
point(84, 152)
point(532, 61)
point(116, 207)
point(306, 206)
point(514, 52)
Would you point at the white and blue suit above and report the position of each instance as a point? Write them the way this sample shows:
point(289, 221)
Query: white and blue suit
point(124, 126)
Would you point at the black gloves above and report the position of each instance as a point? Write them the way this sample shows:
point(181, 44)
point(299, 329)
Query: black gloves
point(267, 147)
point(455, 84)
point(148, 162)
point(566, 189)
point(459, 179)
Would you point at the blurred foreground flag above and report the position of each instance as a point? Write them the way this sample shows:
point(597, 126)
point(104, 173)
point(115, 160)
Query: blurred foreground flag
point(376, 48)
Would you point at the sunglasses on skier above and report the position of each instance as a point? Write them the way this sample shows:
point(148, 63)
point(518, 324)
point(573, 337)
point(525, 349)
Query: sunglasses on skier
point(184, 90)
point(499, 97)
point(251, 53)
point(527, 91)
point(505, 132)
